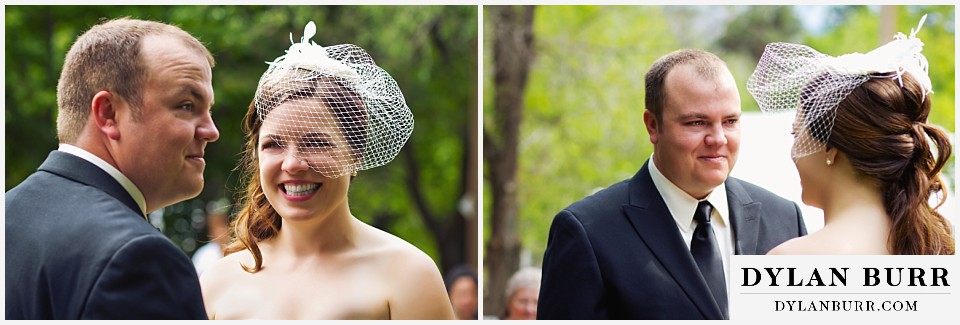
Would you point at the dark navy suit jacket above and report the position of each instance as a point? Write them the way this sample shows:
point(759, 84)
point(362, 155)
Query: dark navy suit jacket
point(78, 247)
point(618, 254)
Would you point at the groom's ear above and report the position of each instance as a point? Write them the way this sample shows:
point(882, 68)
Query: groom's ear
point(653, 126)
point(104, 111)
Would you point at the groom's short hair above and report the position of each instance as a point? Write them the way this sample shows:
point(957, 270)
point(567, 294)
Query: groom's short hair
point(707, 65)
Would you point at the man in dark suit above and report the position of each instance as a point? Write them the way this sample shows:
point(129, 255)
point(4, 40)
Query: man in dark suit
point(134, 102)
point(657, 246)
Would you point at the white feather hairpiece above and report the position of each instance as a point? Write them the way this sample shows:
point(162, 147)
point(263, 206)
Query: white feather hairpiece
point(308, 55)
point(790, 75)
point(903, 54)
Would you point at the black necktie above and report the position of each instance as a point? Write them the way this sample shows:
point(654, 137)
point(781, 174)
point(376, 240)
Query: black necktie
point(706, 252)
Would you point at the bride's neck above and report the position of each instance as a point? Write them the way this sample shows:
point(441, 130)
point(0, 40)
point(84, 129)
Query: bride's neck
point(855, 202)
point(326, 234)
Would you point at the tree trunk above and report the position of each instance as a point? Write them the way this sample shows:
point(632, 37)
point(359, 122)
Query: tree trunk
point(512, 57)
point(446, 229)
point(469, 202)
point(455, 233)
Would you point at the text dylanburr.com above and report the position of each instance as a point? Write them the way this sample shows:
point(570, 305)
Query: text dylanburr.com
point(843, 287)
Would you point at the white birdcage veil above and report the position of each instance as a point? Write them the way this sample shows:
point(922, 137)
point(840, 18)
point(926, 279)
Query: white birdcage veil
point(340, 111)
point(797, 77)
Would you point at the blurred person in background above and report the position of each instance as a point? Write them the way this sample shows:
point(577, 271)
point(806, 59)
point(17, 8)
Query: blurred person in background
point(218, 226)
point(522, 294)
point(462, 287)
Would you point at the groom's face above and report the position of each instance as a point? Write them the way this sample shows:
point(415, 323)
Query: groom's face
point(162, 150)
point(697, 141)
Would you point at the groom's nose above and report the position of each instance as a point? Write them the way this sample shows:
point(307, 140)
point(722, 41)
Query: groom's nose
point(716, 136)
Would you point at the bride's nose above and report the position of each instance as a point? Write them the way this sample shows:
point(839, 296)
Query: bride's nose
point(291, 164)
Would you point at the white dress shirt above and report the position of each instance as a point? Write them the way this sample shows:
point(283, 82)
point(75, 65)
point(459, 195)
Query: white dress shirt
point(113, 171)
point(682, 206)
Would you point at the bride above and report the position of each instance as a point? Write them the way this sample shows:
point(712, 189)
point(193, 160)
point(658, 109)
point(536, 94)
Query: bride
point(319, 115)
point(862, 146)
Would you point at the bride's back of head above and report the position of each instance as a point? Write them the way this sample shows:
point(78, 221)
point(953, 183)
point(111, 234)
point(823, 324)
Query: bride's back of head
point(882, 130)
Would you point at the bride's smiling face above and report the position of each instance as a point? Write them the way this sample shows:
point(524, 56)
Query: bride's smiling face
point(304, 160)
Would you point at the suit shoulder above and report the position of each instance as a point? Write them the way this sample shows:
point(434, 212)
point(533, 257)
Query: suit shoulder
point(65, 211)
point(79, 214)
point(783, 213)
point(605, 202)
point(758, 193)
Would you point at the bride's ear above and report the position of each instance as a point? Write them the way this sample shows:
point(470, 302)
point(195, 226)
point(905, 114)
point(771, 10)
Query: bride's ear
point(831, 153)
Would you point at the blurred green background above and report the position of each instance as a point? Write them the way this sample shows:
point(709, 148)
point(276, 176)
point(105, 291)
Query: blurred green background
point(581, 116)
point(431, 51)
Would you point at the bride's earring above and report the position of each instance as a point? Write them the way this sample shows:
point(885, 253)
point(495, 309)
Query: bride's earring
point(829, 162)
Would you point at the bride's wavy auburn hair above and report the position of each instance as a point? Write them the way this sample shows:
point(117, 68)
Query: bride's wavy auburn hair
point(882, 129)
point(257, 220)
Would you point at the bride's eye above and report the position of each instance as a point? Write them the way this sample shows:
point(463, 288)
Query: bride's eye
point(269, 144)
point(316, 142)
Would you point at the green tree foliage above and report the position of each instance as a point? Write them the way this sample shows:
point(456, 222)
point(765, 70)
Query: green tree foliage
point(583, 119)
point(429, 50)
point(743, 34)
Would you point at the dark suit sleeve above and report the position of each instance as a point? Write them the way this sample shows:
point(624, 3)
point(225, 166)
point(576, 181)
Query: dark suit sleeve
point(800, 223)
point(571, 287)
point(147, 278)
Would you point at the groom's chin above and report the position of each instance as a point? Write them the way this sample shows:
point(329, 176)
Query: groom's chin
point(193, 188)
point(713, 177)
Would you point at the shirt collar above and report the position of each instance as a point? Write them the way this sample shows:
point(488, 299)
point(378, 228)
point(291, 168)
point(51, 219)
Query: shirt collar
point(682, 205)
point(113, 171)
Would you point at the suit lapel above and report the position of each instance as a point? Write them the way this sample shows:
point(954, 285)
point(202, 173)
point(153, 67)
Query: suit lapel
point(82, 171)
point(652, 221)
point(744, 218)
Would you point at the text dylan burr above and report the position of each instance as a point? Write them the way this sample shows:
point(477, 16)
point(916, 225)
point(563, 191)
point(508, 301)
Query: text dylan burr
point(833, 277)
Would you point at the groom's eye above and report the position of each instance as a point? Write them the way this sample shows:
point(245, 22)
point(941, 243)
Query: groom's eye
point(187, 106)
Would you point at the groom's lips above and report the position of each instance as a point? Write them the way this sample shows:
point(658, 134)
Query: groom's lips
point(716, 157)
point(198, 157)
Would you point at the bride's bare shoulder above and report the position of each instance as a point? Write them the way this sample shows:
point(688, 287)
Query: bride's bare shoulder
point(829, 243)
point(225, 271)
point(797, 246)
point(232, 262)
point(398, 252)
point(415, 284)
